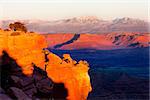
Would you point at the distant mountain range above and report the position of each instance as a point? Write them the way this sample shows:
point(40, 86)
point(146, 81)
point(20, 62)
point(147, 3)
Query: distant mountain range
point(85, 24)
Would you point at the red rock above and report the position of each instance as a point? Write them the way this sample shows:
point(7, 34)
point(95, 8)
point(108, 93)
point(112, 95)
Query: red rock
point(27, 49)
point(98, 41)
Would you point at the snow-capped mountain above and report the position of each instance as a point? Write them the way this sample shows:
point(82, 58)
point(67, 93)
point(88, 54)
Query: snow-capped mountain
point(84, 24)
point(83, 20)
point(127, 20)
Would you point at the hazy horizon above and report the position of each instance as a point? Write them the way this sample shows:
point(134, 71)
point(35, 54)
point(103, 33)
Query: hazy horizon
point(63, 9)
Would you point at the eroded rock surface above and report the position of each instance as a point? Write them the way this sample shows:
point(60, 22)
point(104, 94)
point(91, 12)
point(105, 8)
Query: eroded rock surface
point(27, 50)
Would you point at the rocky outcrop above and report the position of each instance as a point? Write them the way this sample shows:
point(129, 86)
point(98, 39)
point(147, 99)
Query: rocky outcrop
point(27, 50)
point(16, 85)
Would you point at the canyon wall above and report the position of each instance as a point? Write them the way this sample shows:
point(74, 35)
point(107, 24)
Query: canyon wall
point(28, 50)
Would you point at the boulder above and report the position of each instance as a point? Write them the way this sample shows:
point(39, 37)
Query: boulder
point(19, 94)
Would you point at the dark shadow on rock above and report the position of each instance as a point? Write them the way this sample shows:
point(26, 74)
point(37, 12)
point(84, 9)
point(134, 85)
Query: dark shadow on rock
point(16, 85)
point(75, 37)
point(117, 86)
point(59, 91)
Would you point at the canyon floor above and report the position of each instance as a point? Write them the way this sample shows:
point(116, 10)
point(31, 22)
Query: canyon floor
point(116, 74)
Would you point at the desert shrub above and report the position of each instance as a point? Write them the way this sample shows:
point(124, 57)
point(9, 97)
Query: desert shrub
point(6, 29)
point(31, 32)
point(15, 33)
point(17, 26)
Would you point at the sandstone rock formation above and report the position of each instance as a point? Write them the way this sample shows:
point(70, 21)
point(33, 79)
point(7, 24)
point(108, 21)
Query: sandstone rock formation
point(27, 50)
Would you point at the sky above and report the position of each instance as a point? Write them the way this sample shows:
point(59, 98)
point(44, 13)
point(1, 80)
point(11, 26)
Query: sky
point(62, 9)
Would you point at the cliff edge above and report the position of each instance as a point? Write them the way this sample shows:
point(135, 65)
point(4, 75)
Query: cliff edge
point(28, 50)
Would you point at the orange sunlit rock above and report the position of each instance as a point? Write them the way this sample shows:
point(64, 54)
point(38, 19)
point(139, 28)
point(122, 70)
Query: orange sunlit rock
point(74, 76)
point(27, 49)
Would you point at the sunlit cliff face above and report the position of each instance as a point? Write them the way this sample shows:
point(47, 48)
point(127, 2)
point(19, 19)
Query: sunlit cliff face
point(27, 49)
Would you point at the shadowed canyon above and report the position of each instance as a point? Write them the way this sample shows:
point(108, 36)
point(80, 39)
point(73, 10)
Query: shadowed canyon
point(73, 59)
